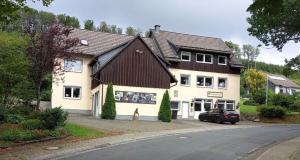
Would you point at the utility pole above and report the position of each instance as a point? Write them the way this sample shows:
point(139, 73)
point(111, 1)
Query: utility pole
point(267, 88)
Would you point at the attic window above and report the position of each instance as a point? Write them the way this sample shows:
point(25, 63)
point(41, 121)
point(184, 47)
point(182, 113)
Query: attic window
point(84, 42)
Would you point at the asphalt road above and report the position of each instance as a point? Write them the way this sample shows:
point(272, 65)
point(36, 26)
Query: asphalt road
point(228, 144)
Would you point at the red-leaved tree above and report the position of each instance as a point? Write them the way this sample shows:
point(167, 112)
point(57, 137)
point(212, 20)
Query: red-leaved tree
point(48, 45)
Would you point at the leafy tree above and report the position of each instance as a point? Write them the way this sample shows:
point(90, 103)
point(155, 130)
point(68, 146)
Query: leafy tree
point(250, 52)
point(292, 66)
point(255, 80)
point(68, 21)
point(113, 29)
point(119, 30)
point(109, 107)
point(164, 113)
point(275, 22)
point(234, 48)
point(130, 31)
point(89, 25)
point(47, 44)
point(104, 27)
point(9, 9)
point(13, 66)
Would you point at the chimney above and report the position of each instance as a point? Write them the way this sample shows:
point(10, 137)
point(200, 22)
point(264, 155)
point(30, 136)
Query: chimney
point(157, 28)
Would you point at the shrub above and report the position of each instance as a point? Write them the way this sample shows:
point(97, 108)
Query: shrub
point(15, 134)
point(109, 107)
point(250, 102)
point(259, 97)
point(271, 111)
point(52, 118)
point(32, 124)
point(164, 113)
point(14, 118)
point(21, 110)
point(2, 115)
point(283, 100)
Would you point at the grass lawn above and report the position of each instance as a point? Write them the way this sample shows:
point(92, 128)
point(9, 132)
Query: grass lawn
point(247, 108)
point(82, 131)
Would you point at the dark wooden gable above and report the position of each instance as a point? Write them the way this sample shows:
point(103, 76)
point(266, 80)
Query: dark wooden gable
point(136, 66)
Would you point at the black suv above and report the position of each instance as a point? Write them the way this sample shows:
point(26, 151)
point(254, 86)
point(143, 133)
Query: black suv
point(220, 116)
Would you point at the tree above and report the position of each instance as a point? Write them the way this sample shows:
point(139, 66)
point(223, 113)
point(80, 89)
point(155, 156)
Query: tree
point(68, 21)
point(275, 22)
point(164, 113)
point(104, 27)
point(250, 52)
point(89, 25)
point(130, 31)
point(109, 107)
point(9, 9)
point(119, 30)
point(234, 48)
point(48, 44)
point(113, 29)
point(255, 80)
point(13, 66)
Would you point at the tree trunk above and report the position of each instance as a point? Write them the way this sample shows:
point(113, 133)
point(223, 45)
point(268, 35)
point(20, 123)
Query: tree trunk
point(38, 97)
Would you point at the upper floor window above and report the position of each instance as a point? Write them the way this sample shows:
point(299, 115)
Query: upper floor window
point(222, 60)
point(73, 65)
point(185, 56)
point(204, 81)
point(72, 92)
point(185, 80)
point(222, 82)
point(204, 58)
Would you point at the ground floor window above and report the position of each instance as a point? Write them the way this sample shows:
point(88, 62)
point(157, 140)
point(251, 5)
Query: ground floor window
point(227, 105)
point(207, 104)
point(72, 92)
point(174, 105)
point(202, 104)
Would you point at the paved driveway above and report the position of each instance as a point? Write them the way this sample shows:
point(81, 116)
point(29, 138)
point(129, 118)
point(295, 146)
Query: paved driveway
point(127, 126)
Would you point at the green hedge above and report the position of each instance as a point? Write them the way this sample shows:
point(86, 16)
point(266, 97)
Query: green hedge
point(52, 118)
point(32, 124)
point(271, 111)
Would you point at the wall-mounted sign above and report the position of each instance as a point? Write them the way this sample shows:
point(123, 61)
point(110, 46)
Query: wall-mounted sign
point(135, 97)
point(215, 94)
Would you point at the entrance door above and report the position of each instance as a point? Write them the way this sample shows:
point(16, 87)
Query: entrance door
point(96, 104)
point(185, 110)
point(198, 109)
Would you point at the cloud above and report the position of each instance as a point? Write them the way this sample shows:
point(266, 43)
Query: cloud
point(214, 18)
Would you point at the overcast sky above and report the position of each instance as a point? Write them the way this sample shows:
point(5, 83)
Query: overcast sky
point(214, 18)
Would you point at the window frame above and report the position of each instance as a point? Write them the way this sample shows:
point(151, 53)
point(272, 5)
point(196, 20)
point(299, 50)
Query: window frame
point(224, 64)
point(204, 86)
point(185, 53)
point(203, 60)
point(226, 83)
point(225, 102)
point(72, 92)
point(189, 82)
point(72, 70)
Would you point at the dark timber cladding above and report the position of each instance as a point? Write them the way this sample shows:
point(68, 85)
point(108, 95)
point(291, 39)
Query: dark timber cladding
point(196, 66)
point(132, 68)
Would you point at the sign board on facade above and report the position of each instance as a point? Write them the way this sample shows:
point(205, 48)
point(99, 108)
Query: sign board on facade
point(135, 97)
point(215, 94)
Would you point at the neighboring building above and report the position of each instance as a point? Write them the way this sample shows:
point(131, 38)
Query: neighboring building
point(142, 69)
point(281, 84)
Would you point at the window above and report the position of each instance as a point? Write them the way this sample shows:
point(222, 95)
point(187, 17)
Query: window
point(222, 60)
point(175, 93)
point(185, 56)
point(227, 105)
point(72, 92)
point(204, 81)
point(174, 105)
point(207, 104)
point(198, 106)
point(222, 82)
point(95, 67)
point(204, 58)
point(185, 80)
point(73, 65)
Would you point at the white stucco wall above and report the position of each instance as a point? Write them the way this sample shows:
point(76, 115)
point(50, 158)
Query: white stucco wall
point(81, 79)
point(187, 93)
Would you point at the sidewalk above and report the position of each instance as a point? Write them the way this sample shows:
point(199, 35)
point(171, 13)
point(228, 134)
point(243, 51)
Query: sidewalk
point(288, 150)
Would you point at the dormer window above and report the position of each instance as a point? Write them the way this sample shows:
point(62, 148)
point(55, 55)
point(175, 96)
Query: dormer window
point(204, 58)
point(185, 56)
point(222, 60)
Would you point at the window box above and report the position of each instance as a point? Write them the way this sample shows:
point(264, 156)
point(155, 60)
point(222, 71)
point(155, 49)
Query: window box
point(72, 92)
point(204, 58)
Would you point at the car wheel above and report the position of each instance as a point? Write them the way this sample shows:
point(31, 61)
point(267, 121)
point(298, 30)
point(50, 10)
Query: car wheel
point(201, 119)
point(232, 122)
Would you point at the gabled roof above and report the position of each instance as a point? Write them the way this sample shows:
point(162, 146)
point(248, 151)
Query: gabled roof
point(281, 80)
point(169, 41)
point(108, 56)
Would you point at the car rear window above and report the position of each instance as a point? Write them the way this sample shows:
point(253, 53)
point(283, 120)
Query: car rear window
point(231, 112)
